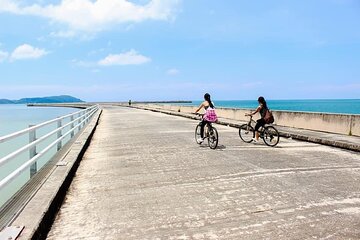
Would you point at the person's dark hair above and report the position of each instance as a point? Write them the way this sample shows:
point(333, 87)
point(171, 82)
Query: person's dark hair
point(207, 98)
point(262, 101)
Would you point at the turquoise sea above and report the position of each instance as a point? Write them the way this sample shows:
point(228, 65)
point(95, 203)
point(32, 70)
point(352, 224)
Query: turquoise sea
point(13, 118)
point(346, 106)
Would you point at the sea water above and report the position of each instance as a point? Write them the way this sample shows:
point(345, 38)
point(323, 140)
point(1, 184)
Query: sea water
point(342, 106)
point(16, 117)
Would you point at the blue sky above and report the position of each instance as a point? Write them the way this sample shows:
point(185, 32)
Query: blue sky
point(115, 50)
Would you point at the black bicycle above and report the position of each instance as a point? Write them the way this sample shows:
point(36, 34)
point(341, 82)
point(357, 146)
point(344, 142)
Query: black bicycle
point(210, 133)
point(268, 133)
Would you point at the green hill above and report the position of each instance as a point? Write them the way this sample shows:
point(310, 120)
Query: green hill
point(51, 99)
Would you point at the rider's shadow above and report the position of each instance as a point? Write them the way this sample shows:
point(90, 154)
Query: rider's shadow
point(221, 147)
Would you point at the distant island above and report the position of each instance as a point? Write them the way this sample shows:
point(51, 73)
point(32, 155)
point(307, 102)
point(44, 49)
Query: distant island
point(51, 99)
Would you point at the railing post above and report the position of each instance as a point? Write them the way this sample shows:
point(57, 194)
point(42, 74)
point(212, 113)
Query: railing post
point(86, 112)
point(59, 134)
point(87, 115)
point(32, 152)
point(72, 126)
point(79, 122)
point(84, 117)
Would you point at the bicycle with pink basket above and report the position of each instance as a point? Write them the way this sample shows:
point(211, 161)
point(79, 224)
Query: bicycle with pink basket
point(210, 132)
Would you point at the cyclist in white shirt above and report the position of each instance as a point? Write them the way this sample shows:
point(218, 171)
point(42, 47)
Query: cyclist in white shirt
point(209, 116)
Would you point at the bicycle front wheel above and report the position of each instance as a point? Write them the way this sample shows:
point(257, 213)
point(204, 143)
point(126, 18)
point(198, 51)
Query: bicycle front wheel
point(246, 133)
point(271, 136)
point(197, 133)
point(213, 138)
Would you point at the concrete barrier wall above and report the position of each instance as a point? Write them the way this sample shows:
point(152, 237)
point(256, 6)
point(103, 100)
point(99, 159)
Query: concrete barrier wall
point(355, 125)
point(335, 123)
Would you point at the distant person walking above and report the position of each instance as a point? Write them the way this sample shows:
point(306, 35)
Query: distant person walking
point(209, 116)
point(262, 109)
point(129, 102)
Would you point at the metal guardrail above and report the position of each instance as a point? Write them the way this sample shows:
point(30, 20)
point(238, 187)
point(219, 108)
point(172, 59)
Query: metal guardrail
point(77, 121)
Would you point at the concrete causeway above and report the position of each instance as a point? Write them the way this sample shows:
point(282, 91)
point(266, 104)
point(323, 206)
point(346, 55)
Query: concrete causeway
point(144, 177)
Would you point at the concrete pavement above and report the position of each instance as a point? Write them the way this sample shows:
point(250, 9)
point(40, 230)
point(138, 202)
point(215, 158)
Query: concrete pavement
point(325, 138)
point(144, 177)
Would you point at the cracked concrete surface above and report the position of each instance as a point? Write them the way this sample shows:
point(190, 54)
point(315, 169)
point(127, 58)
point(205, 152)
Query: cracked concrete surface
point(144, 177)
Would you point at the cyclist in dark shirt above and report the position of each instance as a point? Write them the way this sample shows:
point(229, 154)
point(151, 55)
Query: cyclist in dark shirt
point(260, 122)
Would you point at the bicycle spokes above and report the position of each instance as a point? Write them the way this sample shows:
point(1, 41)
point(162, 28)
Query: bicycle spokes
point(210, 133)
point(271, 136)
point(246, 133)
point(213, 138)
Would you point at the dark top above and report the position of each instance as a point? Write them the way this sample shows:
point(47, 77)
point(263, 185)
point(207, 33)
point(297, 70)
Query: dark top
point(263, 111)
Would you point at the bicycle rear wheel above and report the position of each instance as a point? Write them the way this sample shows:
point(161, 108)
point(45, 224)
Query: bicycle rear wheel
point(246, 133)
point(271, 136)
point(213, 138)
point(197, 133)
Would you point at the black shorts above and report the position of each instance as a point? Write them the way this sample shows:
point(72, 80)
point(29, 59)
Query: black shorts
point(259, 123)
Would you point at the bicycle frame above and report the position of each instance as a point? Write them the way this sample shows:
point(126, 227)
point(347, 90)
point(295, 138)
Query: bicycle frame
point(207, 128)
point(210, 133)
point(268, 133)
point(261, 129)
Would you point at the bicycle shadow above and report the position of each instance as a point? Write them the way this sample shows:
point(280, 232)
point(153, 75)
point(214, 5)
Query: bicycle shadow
point(221, 147)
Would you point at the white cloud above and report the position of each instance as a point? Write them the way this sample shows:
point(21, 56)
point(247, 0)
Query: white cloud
point(3, 56)
point(93, 16)
point(27, 51)
point(129, 58)
point(173, 71)
point(80, 63)
point(63, 34)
